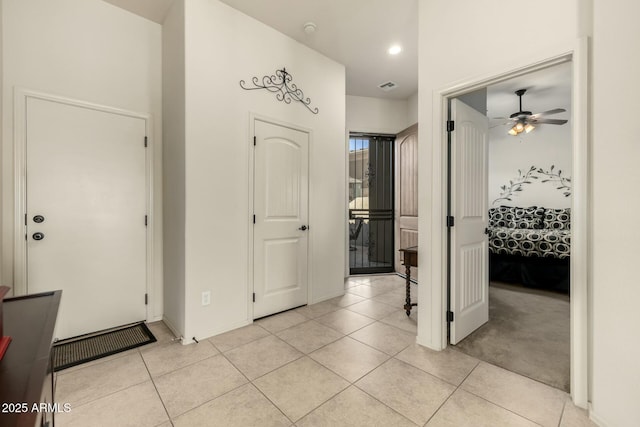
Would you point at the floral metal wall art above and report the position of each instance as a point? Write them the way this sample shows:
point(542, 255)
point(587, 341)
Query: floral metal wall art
point(508, 191)
point(281, 84)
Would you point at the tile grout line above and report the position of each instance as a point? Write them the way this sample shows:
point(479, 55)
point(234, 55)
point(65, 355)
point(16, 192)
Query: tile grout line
point(513, 372)
point(381, 402)
point(564, 408)
point(108, 394)
point(360, 377)
point(501, 407)
point(240, 345)
point(155, 387)
point(325, 401)
point(186, 366)
point(258, 388)
point(487, 400)
point(188, 363)
point(452, 393)
point(223, 394)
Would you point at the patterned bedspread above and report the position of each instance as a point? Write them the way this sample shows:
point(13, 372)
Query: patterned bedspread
point(546, 243)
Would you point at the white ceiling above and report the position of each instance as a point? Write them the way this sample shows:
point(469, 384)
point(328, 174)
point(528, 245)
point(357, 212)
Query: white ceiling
point(546, 89)
point(356, 33)
point(153, 10)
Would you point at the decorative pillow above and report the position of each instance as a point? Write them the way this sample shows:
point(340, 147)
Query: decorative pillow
point(501, 216)
point(530, 218)
point(557, 219)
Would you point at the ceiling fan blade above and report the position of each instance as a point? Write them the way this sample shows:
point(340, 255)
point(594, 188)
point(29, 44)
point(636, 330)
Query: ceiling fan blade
point(549, 121)
point(500, 124)
point(503, 121)
point(548, 113)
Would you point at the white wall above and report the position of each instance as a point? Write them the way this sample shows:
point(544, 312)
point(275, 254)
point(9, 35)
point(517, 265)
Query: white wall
point(412, 106)
point(468, 53)
point(87, 50)
point(615, 207)
point(377, 115)
point(173, 135)
point(544, 147)
point(614, 175)
point(223, 46)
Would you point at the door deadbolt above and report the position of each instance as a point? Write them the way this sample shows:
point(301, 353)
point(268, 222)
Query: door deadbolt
point(38, 236)
point(304, 227)
point(38, 219)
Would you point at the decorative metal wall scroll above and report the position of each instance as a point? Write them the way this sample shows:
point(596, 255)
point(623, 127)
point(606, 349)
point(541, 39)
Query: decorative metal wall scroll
point(508, 191)
point(281, 85)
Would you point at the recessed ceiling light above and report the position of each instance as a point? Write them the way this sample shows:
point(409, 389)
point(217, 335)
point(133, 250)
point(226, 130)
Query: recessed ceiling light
point(395, 49)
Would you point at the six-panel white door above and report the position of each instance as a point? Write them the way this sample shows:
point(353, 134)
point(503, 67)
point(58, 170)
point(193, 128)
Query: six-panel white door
point(280, 245)
point(86, 196)
point(469, 255)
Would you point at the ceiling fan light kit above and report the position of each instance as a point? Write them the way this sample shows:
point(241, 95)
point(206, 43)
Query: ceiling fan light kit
point(520, 127)
point(525, 121)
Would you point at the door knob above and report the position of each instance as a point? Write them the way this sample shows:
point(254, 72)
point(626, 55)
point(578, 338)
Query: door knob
point(38, 219)
point(38, 236)
point(304, 227)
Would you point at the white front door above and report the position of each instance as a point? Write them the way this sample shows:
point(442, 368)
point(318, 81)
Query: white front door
point(469, 256)
point(280, 239)
point(85, 214)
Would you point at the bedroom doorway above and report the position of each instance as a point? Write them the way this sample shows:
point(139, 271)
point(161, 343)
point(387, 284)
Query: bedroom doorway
point(525, 304)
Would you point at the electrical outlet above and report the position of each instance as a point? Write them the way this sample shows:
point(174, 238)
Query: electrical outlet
point(206, 298)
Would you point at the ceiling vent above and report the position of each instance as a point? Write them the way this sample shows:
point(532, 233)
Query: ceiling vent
point(387, 86)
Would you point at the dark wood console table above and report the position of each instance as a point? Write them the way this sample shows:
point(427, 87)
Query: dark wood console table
point(26, 377)
point(409, 259)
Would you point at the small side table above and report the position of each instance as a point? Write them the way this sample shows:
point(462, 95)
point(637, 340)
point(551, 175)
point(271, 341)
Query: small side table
point(409, 259)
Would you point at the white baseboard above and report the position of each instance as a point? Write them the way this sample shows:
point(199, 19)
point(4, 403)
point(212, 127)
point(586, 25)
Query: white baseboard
point(595, 418)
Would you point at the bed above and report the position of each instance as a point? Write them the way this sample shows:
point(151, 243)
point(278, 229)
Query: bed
point(530, 246)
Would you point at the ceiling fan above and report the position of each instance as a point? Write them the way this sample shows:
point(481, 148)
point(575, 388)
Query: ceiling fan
point(525, 121)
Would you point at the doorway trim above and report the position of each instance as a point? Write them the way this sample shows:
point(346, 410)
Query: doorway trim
point(20, 186)
point(434, 299)
point(250, 196)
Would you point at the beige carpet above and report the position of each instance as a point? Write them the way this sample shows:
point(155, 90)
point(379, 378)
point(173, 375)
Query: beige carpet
point(527, 333)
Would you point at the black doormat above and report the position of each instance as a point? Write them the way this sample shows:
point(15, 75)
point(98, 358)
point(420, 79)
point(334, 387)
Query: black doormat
point(75, 351)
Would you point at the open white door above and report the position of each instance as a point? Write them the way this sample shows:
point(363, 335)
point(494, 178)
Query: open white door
point(469, 255)
point(280, 243)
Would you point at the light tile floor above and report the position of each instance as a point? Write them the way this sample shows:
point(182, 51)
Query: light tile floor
point(350, 361)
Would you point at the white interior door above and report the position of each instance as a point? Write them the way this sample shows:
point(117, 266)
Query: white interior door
point(469, 255)
point(86, 196)
point(406, 194)
point(281, 187)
